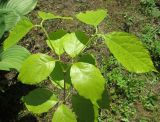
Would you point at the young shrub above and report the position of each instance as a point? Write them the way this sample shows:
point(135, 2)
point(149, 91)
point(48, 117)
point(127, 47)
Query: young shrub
point(81, 72)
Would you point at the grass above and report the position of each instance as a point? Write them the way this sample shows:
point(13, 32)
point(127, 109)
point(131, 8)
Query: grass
point(149, 8)
point(134, 97)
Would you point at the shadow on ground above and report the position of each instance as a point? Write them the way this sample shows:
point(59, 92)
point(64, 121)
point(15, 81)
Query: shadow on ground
point(11, 104)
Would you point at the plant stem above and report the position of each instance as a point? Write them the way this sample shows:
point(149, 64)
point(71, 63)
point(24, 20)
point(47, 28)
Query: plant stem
point(88, 43)
point(44, 30)
point(64, 89)
point(96, 30)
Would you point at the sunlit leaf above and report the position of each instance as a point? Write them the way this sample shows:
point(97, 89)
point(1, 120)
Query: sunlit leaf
point(39, 100)
point(18, 32)
point(56, 42)
point(87, 80)
point(13, 57)
point(22, 7)
point(74, 43)
point(36, 68)
point(93, 18)
point(64, 114)
point(129, 51)
point(5, 66)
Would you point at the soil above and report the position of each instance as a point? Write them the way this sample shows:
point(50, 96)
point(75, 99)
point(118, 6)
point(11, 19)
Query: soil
point(12, 90)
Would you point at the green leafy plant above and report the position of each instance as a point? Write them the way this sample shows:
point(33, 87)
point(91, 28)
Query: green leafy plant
point(151, 40)
point(127, 92)
point(79, 72)
point(149, 7)
point(11, 55)
point(11, 11)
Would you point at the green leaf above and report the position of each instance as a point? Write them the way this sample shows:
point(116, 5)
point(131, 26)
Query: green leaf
point(63, 114)
point(87, 80)
point(36, 68)
point(11, 18)
point(74, 43)
point(129, 51)
point(2, 25)
point(5, 66)
point(56, 41)
point(1, 49)
point(84, 109)
point(39, 100)
point(57, 76)
point(13, 57)
point(22, 7)
point(18, 32)
point(57, 34)
point(3, 3)
point(87, 58)
point(48, 16)
point(93, 18)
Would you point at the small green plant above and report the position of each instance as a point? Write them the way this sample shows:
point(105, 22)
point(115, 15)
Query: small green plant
point(11, 11)
point(79, 71)
point(149, 8)
point(151, 40)
point(128, 22)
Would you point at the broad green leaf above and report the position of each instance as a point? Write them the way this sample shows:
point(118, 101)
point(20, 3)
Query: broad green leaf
point(74, 43)
point(129, 51)
point(13, 57)
point(87, 58)
point(36, 68)
point(5, 66)
point(11, 18)
point(18, 32)
point(1, 49)
point(39, 100)
point(87, 80)
point(56, 42)
point(2, 25)
point(48, 16)
point(57, 34)
point(3, 3)
point(57, 76)
point(64, 114)
point(84, 109)
point(93, 18)
point(56, 45)
point(22, 7)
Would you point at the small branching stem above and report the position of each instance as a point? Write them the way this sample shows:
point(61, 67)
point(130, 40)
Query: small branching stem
point(91, 39)
point(45, 32)
point(64, 89)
